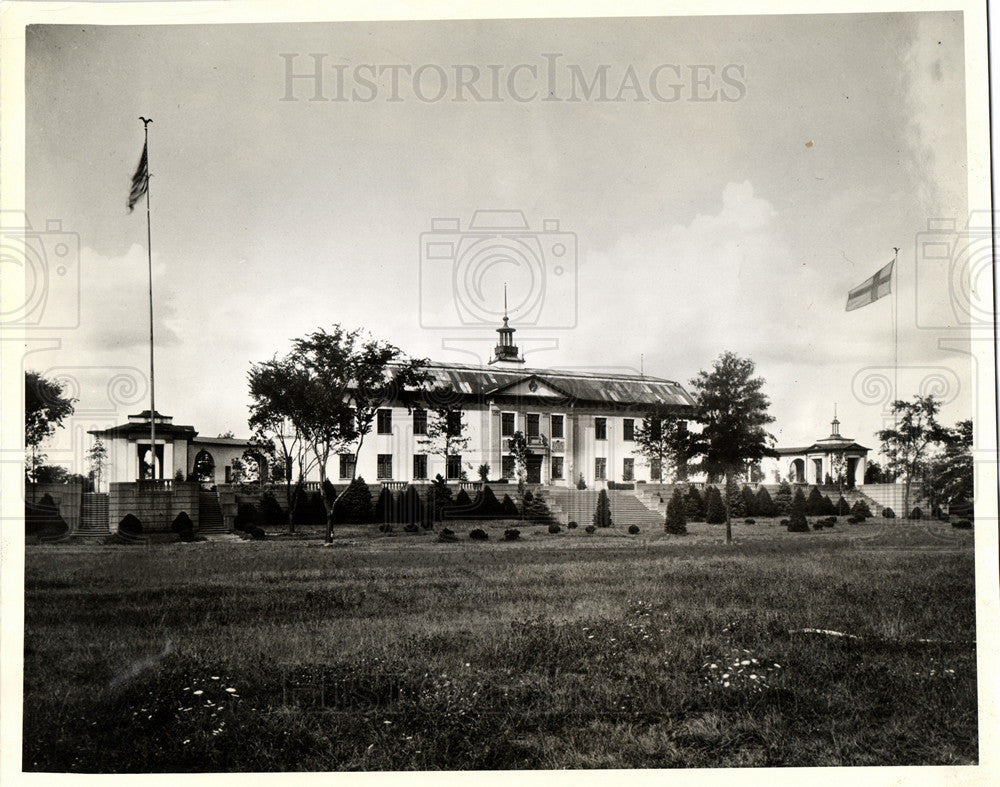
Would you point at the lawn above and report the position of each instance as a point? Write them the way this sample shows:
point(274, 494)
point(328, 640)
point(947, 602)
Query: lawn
point(565, 650)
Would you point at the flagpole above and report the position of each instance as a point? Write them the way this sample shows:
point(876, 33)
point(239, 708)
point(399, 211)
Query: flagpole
point(152, 377)
point(895, 333)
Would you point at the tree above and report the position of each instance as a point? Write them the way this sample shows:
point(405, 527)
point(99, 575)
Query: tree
point(715, 509)
point(906, 445)
point(97, 458)
point(602, 514)
point(323, 396)
point(439, 498)
point(783, 498)
point(517, 445)
point(676, 522)
point(764, 505)
point(797, 522)
point(664, 440)
point(732, 410)
point(951, 473)
point(354, 505)
point(45, 408)
point(694, 506)
point(445, 423)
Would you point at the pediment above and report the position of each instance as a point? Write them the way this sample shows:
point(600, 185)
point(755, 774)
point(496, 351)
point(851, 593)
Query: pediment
point(532, 385)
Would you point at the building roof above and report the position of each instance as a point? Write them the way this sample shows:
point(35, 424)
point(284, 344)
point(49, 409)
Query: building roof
point(600, 388)
point(824, 446)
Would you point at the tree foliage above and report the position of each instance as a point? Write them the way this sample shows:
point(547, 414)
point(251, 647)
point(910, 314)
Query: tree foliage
point(602, 513)
point(732, 411)
point(662, 438)
point(951, 474)
point(676, 521)
point(907, 444)
point(45, 408)
point(445, 423)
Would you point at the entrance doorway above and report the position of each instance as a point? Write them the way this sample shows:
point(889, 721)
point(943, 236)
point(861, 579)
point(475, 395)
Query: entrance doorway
point(534, 469)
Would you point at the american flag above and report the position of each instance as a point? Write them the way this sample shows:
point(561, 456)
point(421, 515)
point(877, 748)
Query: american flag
point(870, 290)
point(140, 181)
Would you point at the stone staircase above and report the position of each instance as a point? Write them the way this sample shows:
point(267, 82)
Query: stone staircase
point(93, 518)
point(578, 505)
point(210, 519)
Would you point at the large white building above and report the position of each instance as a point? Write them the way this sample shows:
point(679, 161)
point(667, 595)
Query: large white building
point(577, 424)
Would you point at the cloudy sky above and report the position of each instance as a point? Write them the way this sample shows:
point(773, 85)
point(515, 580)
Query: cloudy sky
point(719, 184)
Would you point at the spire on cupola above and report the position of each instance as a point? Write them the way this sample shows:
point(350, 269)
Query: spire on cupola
point(506, 351)
point(835, 424)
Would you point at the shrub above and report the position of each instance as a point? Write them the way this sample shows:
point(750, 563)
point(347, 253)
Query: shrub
point(842, 508)
point(438, 498)
point(410, 508)
point(537, 510)
point(694, 505)
point(828, 507)
point(785, 522)
point(130, 528)
point(509, 508)
point(962, 524)
point(479, 535)
point(257, 533)
point(797, 514)
point(412, 527)
point(590, 529)
point(861, 509)
point(749, 521)
point(317, 509)
point(246, 516)
point(814, 503)
point(184, 527)
point(355, 504)
point(676, 521)
point(487, 504)
point(571, 525)
point(633, 529)
point(581, 484)
point(463, 503)
point(853, 519)
point(715, 510)
point(749, 501)
point(385, 527)
point(888, 513)
point(385, 507)
point(625, 485)
point(916, 513)
point(765, 505)
point(831, 521)
point(735, 501)
point(783, 498)
point(42, 520)
point(602, 514)
point(271, 510)
point(329, 493)
point(819, 524)
point(554, 528)
point(511, 534)
point(300, 506)
point(447, 535)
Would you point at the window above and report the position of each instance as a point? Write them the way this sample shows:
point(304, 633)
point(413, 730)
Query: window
point(419, 466)
point(655, 429)
point(229, 474)
point(557, 467)
point(384, 470)
point(654, 470)
point(628, 469)
point(506, 424)
point(454, 423)
point(419, 421)
point(454, 467)
point(628, 429)
point(601, 429)
point(534, 426)
point(600, 468)
point(346, 466)
point(557, 427)
point(507, 466)
point(384, 422)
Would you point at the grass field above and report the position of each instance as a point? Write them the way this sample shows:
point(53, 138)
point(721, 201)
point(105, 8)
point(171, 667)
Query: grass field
point(558, 651)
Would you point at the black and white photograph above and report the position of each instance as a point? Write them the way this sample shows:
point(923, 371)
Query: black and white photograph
point(498, 388)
